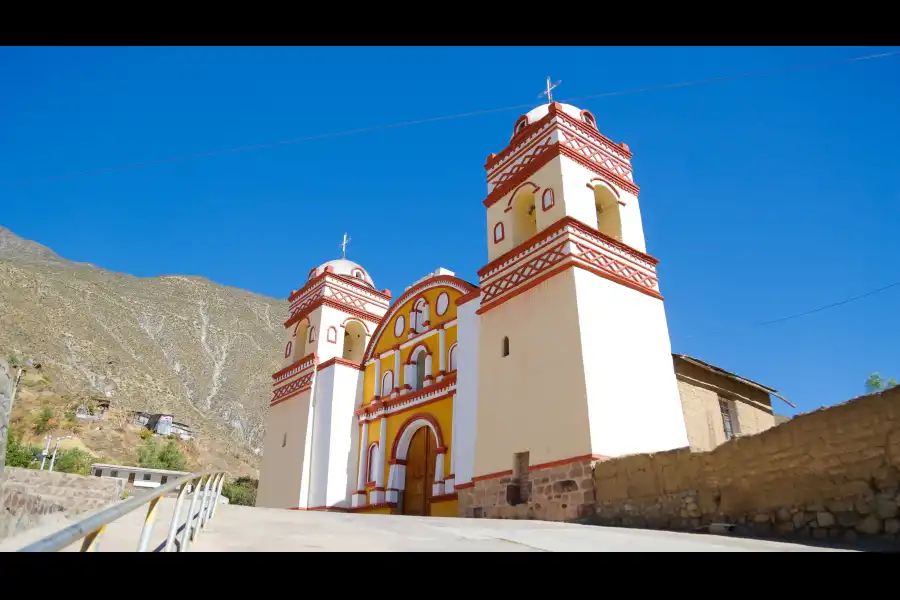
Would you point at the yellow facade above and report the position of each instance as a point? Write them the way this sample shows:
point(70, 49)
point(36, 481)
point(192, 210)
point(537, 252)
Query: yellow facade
point(437, 410)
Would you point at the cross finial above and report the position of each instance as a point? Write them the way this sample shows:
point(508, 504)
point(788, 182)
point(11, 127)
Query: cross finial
point(549, 91)
point(343, 246)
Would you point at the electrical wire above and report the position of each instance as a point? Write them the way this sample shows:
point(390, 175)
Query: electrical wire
point(804, 313)
point(372, 128)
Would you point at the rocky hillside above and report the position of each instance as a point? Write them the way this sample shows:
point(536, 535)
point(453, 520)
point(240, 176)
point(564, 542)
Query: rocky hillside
point(175, 344)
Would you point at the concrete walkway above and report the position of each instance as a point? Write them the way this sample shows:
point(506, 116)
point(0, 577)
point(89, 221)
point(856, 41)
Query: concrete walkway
point(242, 529)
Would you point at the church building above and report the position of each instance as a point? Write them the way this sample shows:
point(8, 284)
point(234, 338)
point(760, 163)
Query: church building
point(495, 399)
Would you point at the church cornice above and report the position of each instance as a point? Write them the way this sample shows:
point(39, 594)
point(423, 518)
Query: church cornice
point(567, 244)
point(451, 281)
point(557, 134)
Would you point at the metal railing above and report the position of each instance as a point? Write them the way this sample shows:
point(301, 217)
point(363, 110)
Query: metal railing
point(206, 494)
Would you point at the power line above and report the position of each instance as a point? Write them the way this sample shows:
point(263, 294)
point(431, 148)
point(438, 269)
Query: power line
point(810, 311)
point(310, 138)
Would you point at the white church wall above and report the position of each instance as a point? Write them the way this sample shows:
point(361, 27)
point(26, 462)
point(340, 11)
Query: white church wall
point(632, 394)
point(465, 403)
point(534, 399)
point(579, 202)
point(321, 438)
point(343, 448)
point(280, 474)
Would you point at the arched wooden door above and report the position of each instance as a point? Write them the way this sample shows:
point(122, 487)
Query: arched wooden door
point(420, 463)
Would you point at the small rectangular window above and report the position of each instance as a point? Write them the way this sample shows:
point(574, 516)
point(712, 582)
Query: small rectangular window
point(164, 479)
point(506, 346)
point(146, 476)
point(729, 418)
point(114, 474)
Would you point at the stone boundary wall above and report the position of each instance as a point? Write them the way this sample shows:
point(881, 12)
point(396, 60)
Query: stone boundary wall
point(554, 492)
point(832, 474)
point(27, 496)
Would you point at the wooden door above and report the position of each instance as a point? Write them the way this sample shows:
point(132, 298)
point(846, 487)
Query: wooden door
point(420, 464)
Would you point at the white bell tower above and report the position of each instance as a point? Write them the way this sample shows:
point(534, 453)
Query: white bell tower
point(574, 358)
point(309, 447)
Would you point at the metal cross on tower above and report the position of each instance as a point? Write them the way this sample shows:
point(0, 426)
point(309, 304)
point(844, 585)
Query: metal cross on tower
point(549, 91)
point(343, 246)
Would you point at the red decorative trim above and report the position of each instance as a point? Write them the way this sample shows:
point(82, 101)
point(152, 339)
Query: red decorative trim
point(600, 180)
point(397, 461)
point(510, 149)
point(498, 232)
point(404, 399)
point(435, 426)
point(539, 154)
point(441, 449)
point(355, 319)
point(592, 122)
point(295, 387)
point(538, 467)
point(388, 318)
point(463, 486)
point(545, 205)
point(534, 190)
point(311, 355)
point(302, 314)
point(563, 222)
point(467, 297)
point(337, 360)
point(343, 278)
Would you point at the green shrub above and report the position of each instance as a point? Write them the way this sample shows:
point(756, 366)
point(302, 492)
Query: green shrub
point(74, 460)
point(45, 421)
point(146, 434)
point(153, 456)
point(241, 491)
point(19, 454)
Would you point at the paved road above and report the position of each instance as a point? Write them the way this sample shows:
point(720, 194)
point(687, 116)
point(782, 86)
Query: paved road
point(241, 528)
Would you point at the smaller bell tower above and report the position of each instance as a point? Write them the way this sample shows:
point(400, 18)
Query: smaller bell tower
point(574, 358)
point(308, 453)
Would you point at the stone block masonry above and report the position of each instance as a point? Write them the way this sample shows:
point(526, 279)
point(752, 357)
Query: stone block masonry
point(29, 496)
point(561, 491)
point(832, 474)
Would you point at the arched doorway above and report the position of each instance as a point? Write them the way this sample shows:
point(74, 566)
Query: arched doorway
point(420, 467)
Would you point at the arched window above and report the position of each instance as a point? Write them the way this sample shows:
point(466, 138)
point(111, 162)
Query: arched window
point(387, 384)
point(505, 346)
point(288, 348)
point(301, 332)
point(371, 462)
point(332, 335)
point(358, 274)
point(498, 233)
point(354, 341)
point(589, 118)
point(452, 361)
point(312, 335)
point(524, 215)
point(609, 219)
point(521, 124)
point(419, 315)
point(420, 370)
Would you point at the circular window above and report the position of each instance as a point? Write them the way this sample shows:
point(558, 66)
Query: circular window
point(443, 302)
point(399, 326)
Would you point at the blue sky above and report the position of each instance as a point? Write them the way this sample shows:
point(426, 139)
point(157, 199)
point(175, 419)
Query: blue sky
point(762, 197)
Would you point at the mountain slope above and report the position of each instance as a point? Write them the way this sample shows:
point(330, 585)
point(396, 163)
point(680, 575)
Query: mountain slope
point(184, 345)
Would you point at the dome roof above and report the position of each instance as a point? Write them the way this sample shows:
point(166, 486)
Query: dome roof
point(536, 114)
point(342, 266)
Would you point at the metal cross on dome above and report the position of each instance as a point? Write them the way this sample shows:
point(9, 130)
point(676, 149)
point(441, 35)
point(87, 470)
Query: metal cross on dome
point(549, 91)
point(343, 246)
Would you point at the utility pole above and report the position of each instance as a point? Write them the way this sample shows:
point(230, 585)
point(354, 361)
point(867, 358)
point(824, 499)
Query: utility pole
point(56, 449)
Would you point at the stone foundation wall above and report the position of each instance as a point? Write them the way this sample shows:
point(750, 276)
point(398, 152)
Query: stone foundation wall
point(830, 474)
point(561, 492)
point(28, 496)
